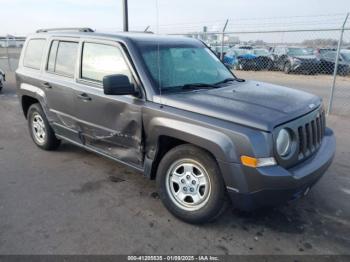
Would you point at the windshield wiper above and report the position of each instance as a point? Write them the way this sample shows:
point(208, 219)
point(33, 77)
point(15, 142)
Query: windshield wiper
point(197, 85)
point(194, 86)
point(229, 80)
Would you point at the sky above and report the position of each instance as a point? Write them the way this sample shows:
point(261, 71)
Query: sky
point(21, 17)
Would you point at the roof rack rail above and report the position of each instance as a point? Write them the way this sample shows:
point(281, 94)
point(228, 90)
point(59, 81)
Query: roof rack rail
point(141, 32)
point(78, 29)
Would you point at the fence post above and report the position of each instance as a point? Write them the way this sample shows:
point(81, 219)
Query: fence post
point(330, 104)
point(8, 54)
point(222, 41)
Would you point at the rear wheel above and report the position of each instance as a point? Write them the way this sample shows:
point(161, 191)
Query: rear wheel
point(40, 130)
point(190, 184)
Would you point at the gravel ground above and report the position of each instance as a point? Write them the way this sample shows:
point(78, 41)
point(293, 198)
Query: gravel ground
point(74, 202)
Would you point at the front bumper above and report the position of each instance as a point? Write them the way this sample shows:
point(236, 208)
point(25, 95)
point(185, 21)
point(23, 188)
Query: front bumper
point(252, 188)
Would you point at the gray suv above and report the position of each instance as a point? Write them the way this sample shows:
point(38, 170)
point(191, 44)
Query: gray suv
point(167, 107)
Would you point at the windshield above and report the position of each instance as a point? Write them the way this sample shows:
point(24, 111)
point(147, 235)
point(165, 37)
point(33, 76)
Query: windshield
point(346, 55)
point(183, 65)
point(300, 51)
point(261, 52)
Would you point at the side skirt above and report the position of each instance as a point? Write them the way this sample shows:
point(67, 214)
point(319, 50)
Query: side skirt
point(136, 168)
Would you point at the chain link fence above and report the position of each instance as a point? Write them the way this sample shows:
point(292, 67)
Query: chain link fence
point(10, 50)
point(291, 53)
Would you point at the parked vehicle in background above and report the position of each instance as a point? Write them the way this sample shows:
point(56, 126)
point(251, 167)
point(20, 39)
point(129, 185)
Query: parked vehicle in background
point(217, 49)
point(296, 59)
point(248, 47)
point(240, 59)
point(169, 108)
point(2, 79)
point(249, 59)
point(321, 51)
point(328, 62)
point(263, 58)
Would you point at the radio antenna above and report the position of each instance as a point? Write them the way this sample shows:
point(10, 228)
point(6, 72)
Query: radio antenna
point(158, 57)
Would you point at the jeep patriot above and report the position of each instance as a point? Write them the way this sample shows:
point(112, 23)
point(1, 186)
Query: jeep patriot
point(167, 107)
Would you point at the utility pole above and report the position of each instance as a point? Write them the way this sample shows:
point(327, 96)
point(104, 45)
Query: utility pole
point(125, 16)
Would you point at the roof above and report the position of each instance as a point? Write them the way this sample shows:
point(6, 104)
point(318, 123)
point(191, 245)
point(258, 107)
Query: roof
point(121, 36)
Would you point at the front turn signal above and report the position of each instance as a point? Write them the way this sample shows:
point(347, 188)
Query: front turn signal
point(257, 162)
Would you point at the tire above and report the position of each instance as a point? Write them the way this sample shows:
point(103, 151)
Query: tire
point(208, 200)
point(40, 129)
point(287, 68)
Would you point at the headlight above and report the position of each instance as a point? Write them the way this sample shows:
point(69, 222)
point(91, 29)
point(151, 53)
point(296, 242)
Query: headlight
point(283, 143)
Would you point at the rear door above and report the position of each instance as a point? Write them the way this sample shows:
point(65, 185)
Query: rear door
point(109, 124)
point(59, 82)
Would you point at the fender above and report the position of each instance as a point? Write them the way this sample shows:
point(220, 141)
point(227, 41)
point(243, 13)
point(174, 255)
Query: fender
point(217, 143)
point(34, 92)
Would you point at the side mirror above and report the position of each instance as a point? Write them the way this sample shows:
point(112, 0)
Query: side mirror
point(118, 85)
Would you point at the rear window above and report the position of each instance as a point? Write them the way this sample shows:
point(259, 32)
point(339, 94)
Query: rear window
point(63, 58)
point(34, 53)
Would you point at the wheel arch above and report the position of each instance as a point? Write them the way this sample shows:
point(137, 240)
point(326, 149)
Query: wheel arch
point(26, 102)
point(169, 133)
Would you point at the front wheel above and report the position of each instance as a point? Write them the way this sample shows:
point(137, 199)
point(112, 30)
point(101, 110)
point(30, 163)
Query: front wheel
point(40, 129)
point(190, 184)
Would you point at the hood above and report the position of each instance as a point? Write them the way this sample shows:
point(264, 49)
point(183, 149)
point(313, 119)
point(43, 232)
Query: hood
point(255, 104)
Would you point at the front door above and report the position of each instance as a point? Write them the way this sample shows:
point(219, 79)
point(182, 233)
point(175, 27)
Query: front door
point(109, 124)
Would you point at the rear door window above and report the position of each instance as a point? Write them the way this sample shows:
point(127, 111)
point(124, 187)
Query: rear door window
point(63, 58)
point(34, 53)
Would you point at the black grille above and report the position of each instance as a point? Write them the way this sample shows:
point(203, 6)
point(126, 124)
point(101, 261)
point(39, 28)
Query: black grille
point(310, 135)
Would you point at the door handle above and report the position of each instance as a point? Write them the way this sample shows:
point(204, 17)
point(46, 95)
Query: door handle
point(46, 85)
point(84, 97)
